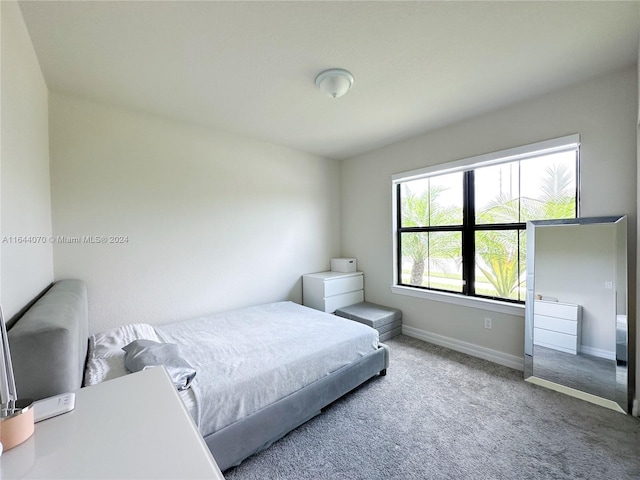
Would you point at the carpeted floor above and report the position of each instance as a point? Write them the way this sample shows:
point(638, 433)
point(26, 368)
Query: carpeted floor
point(583, 372)
point(440, 414)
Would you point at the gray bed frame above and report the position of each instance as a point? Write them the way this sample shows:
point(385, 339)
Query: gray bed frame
point(49, 348)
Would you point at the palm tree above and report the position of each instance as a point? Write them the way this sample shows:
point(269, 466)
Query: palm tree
point(497, 250)
point(425, 210)
point(558, 198)
point(499, 257)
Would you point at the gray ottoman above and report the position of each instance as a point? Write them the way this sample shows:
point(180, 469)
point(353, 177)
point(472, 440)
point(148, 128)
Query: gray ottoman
point(388, 321)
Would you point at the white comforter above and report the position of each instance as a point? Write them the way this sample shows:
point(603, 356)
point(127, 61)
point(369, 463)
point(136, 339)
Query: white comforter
point(249, 358)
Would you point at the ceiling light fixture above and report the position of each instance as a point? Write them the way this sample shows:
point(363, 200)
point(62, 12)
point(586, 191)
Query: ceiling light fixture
point(334, 82)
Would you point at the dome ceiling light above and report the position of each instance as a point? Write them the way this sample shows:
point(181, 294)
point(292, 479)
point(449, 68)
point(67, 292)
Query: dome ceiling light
point(334, 82)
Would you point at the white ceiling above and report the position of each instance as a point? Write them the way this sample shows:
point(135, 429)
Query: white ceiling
point(249, 67)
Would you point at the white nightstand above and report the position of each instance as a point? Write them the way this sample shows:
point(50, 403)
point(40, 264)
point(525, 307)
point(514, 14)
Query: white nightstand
point(135, 426)
point(557, 326)
point(328, 291)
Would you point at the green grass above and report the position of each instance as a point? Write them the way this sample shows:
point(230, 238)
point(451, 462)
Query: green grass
point(489, 292)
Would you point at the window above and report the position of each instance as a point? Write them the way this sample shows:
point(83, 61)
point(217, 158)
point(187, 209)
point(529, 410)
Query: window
point(461, 228)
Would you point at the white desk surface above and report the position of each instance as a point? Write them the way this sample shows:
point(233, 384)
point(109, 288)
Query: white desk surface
point(135, 426)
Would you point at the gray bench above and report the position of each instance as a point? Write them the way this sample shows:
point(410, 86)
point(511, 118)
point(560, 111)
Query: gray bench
point(388, 321)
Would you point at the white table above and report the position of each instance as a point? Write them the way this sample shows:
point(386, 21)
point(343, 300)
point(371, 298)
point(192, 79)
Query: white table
point(135, 426)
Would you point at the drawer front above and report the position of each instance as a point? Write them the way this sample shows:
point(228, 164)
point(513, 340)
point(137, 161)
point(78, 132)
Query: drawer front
point(337, 286)
point(555, 340)
point(559, 310)
point(331, 304)
point(553, 324)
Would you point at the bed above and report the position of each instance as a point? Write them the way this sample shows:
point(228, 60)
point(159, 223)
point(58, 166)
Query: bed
point(261, 371)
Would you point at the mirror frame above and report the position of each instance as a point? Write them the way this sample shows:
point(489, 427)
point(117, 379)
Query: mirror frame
point(625, 374)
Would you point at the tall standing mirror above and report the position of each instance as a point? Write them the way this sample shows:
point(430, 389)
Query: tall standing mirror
point(576, 311)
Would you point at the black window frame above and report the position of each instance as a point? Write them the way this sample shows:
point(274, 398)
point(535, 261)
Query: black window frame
point(469, 227)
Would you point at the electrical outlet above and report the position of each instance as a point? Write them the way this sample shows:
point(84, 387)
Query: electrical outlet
point(487, 323)
point(608, 285)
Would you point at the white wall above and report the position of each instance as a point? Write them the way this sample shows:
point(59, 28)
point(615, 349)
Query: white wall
point(602, 110)
point(213, 221)
point(25, 196)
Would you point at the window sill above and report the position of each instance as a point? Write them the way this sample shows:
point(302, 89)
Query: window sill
point(473, 302)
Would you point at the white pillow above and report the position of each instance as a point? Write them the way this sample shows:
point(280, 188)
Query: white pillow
point(105, 357)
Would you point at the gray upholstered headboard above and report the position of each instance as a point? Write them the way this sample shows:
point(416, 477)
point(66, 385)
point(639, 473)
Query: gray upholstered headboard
point(49, 342)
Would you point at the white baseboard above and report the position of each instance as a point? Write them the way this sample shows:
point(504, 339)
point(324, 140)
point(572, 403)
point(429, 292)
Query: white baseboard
point(598, 352)
point(469, 348)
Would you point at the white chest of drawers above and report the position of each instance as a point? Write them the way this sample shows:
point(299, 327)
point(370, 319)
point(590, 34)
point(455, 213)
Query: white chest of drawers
point(328, 291)
point(557, 326)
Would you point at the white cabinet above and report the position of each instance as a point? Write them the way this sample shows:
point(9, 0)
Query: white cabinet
point(328, 291)
point(557, 326)
point(131, 427)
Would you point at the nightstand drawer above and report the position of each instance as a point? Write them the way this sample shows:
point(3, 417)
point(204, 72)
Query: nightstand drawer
point(555, 309)
point(560, 325)
point(337, 286)
point(331, 304)
point(557, 341)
